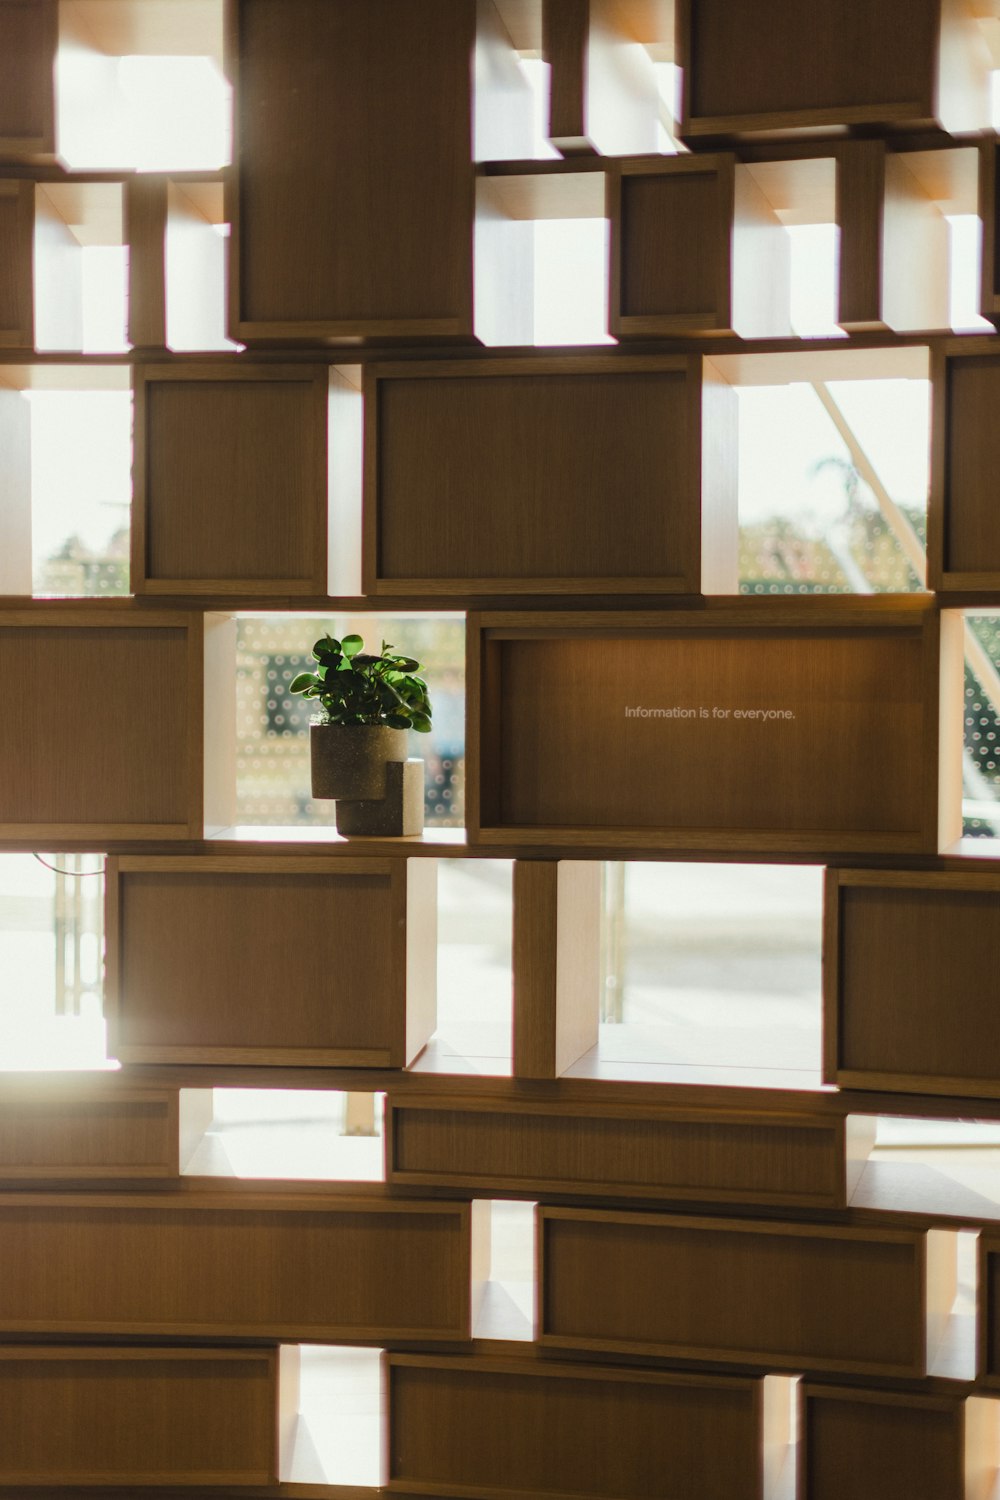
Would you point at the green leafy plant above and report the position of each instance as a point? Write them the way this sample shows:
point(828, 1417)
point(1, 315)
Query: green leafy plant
point(354, 687)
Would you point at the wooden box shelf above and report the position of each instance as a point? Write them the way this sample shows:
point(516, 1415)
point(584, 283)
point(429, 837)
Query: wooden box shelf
point(325, 251)
point(305, 960)
point(963, 522)
point(17, 221)
point(910, 1004)
point(879, 1445)
point(230, 480)
point(581, 1431)
point(645, 730)
point(122, 757)
point(310, 1266)
point(664, 1152)
point(29, 34)
point(900, 65)
point(66, 1129)
point(125, 1417)
point(511, 476)
point(787, 1296)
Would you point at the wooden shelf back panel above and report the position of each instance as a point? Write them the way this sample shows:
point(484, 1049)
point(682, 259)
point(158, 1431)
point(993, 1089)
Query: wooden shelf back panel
point(122, 756)
point(509, 477)
point(282, 962)
point(138, 1416)
point(671, 229)
point(912, 978)
point(68, 1132)
point(988, 1311)
point(718, 1156)
point(876, 1445)
point(17, 220)
point(28, 40)
point(779, 65)
point(964, 521)
point(788, 1296)
point(231, 481)
point(581, 1432)
point(302, 1266)
point(565, 750)
point(332, 248)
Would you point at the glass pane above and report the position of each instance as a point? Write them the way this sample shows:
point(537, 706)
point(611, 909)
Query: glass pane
point(981, 745)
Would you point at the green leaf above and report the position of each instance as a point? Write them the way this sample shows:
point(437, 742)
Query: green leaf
point(351, 645)
point(397, 721)
point(406, 664)
point(421, 724)
point(303, 681)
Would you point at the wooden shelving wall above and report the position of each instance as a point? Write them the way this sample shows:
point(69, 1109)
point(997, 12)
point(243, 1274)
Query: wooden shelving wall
point(580, 505)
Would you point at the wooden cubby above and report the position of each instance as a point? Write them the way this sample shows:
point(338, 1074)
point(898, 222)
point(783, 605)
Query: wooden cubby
point(29, 33)
point(592, 1431)
point(106, 1416)
point(230, 480)
point(17, 218)
point(557, 758)
point(963, 525)
point(302, 961)
point(70, 1129)
point(523, 467)
point(909, 1003)
point(122, 757)
point(792, 1159)
point(177, 262)
point(788, 1296)
point(879, 1445)
point(319, 1267)
point(603, 95)
point(900, 65)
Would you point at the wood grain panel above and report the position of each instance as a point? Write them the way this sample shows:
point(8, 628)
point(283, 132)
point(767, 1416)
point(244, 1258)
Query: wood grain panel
point(875, 1445)
point(565, 36)
point(580, 1431)
point(345, 246)
point(964, 467)
point(779, 65)
point(300, 961)
point(28, 39)
point(231, 489)
point(708, 1155)
point(121, 756)
point(138, 1416)
point(671, 246)
point(604, 730)
point(145, 202)
point(512, 477)
point(308, 1266)
point(860, 192)
point(17, 217)
point(988, 1311)
point(912, 992)
point(65, 1130)
point(789, 1296)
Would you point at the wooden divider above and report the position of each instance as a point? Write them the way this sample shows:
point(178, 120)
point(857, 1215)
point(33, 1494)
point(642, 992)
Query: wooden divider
point(511, 476)
point(880, 1445)
point(296, 960)
point(962, 521)
point(787, 1296)
point(735, 728)
point(642, 1151)
point(67, 1128)
point(503, 1428)
point(17, 219)
point(988, 1311)
point(311, 1266)
point(909, 1001)
point(119, 756)
point(90, 1416)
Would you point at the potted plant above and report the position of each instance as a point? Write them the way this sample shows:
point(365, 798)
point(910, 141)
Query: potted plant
point(368, 704)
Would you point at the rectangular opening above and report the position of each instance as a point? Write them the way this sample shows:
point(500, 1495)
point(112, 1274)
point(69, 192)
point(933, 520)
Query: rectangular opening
point(474, 969)
point(51, 938)
point(195, 246)
point(266, 781)
point(336, 1435)
point(541, 260)
point(785, 249)
point(508, 1309)
point(140, 85)
point(951, 1303)
point(948, 1168)
point(981, 732)
point(833, 471)
point(291, 1134)
point(80, 267)
point(932, 241)
point(711, 975)
point(780, 1424)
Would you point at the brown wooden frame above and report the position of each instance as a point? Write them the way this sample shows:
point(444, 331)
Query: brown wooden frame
point(812, 1391)
point(941, 576)
point(19, 269)
point(64, 1105)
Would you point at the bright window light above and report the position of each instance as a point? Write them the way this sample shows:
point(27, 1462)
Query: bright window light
point(538, 74)
point(571, 281)
point(105, 301)
point(965, 266)
point(815, 251)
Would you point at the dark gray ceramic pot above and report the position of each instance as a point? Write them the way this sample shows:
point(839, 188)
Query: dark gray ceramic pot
point(349, 760)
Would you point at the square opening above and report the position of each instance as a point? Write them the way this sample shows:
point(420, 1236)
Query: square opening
point(80, 267)
point(833, 471)
point(711, 974)
point(932, 241)
point(51, 940)
point(140, 85)
point(474, 969)
point(290, 1134)
point(335, 1437)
